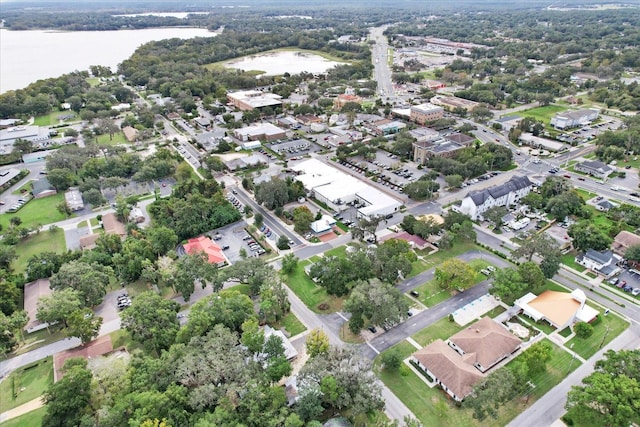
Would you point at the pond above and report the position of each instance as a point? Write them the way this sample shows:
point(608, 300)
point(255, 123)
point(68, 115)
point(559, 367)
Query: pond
point(277, 63)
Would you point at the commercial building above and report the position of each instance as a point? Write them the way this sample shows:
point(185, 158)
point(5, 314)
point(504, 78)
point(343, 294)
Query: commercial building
point(205, 245)
point(601, 262)
point(248, 100)
point(541, 143)
point(260, 132)
point(28, 133)
point(574, 119)
point(450, 103)
point(336, 188)
point(477, 202)
point(432, 145)
point(424, 113)
point(594, 168)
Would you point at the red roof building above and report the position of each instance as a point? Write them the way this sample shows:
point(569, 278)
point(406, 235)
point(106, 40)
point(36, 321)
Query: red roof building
point(206, 245)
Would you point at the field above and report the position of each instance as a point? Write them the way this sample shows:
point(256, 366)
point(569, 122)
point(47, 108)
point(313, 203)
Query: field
point(36, 212)
point(45, 241)
point(52, 119)
point(118, 138)
point(310, 293)
point(26, 384)
point(434, 408)
point(543, 113)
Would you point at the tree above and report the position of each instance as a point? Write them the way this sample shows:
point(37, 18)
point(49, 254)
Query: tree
point(283, 243)
point(162, 240)
point(531, 274)
point(252, 336)
point(391, 360)
point(61, 179)
point(58, 306)
point(393, 260)
point(495, 215)
point(84, 324)
point(633, 253)
point(491, 393)
point(183, 172)
point(317, 342)
point(379, 302)
point(454, 274)
point(94, 197)
point(64, 209)
point(611, 394)
point(7, 254)
point(69, 399)
point(277, 365)
point(152, 321)
point(272, 194)
point(302, 219)
point(453, 181)
point(583, 330)
point(258, 220)
point(540, 244)
point(537, 356)
point(90, 280)
point(507, 283)
point(343, 379)
point(289, 263)
point(192, 268)
point(587, 235)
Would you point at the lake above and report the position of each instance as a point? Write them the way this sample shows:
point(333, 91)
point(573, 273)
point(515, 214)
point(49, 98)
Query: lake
point(277, 63)
point(27, 56)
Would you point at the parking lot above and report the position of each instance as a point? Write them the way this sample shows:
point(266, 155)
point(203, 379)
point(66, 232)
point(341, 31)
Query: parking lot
point(232, 238)
point(627, 281)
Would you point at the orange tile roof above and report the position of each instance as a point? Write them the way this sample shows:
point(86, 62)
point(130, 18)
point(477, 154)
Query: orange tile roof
point(206, 245)
point(558, 307)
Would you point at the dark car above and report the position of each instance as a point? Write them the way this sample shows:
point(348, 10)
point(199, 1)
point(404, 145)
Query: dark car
point(627, 288)
point(414, 294)
point(225, 247)
point(372, 329)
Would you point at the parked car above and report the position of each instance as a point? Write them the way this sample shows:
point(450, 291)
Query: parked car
point(627, 288)
point(621, 284)
point(614, 281)
point(414, 294)
point(372, 329)
point(635, 292)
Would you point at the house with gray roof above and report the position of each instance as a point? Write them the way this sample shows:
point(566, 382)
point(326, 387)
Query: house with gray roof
point(509, 193)
point(42, 188)
point(594, 168)
point(603, 262)
point(573, 119)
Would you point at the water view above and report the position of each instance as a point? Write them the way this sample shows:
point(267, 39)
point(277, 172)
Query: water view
point(27, 56)
point(277, 63)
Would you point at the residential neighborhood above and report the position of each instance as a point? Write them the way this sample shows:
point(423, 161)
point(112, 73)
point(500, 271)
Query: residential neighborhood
point(393, 240)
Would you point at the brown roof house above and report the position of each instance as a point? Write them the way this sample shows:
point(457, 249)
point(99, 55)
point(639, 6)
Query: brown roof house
point(460, 363)
point(448, 369)
point(486, 341)
point(111, 225)
point(623, 241)
point(560, 309)
point(130, 133)
point(33, 291)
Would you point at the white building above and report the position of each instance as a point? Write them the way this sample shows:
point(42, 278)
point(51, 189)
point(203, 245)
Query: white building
point(260, 131)
point(573, 119)
point(477, 202)
point(73, 197)
point(601, 262)
point(560, 309)
point(247, 100)
point(336, 188)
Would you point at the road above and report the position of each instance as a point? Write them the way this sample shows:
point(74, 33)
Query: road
point(380, 56)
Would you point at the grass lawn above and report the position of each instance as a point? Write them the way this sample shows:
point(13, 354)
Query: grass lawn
point(433, 407)
point(442, 329)
point(310, 293)
point(440, 256)
point(543, 113)
point(51, 118)
point(569, 259)
point(347, 336)
point(36, 212)
point(565, 332)
point(122, 338)
point(586, 195)
point(30, 419)
point(118, 138)
point(340, 252)
point(291, 323)
point(50, 241)
point(495, 311)
point(604, 331)
point(26, 384)
point(38, 339)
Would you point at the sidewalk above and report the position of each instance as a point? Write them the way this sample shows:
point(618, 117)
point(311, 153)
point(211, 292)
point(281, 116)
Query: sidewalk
point(22, 409)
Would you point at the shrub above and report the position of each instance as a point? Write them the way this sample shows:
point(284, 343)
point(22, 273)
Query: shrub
point(583, 329)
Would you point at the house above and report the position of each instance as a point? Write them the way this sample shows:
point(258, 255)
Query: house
point(42, 188)
point(323, 225)
point(290, 351)
point(308, 119)
point(509, 193)
point(344, 98)
point(605, 205)
point(73, 198)
point(594, 168)
point(206, 245)
point(33, 291)
point(559, 309)
point(136, 215)
point(112, 225)
point(130, 133)
point(573, 119)
point(454, 373)
point(202, 122)
point(603, 262)
point(623, 241)
point(486, 342)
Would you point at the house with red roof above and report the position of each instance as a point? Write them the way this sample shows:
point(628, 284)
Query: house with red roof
point(206, 245)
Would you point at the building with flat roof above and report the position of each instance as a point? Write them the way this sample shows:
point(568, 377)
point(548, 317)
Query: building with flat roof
point(336, 188)
point(247, 100)
point(28, 133)
point(260, 131)
point(450, 103)
point(73, 198)
point(426, 112)
point(6, 175)
point(542, 143)
point(574, 119)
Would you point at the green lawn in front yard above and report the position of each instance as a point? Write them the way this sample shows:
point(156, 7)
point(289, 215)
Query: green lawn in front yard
point(340, 252)
point(291, 323)
point(30, 419)
point(310, 293)
point(52, 118)
point(495, 312)
point(569, 259)
point(440, 256)
point(25, 384)
point(122, 338)
point(543, 113)
point(442, 329)
point(37, 212)
point(45, 241)
point(609, 327)
point(434, 408)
